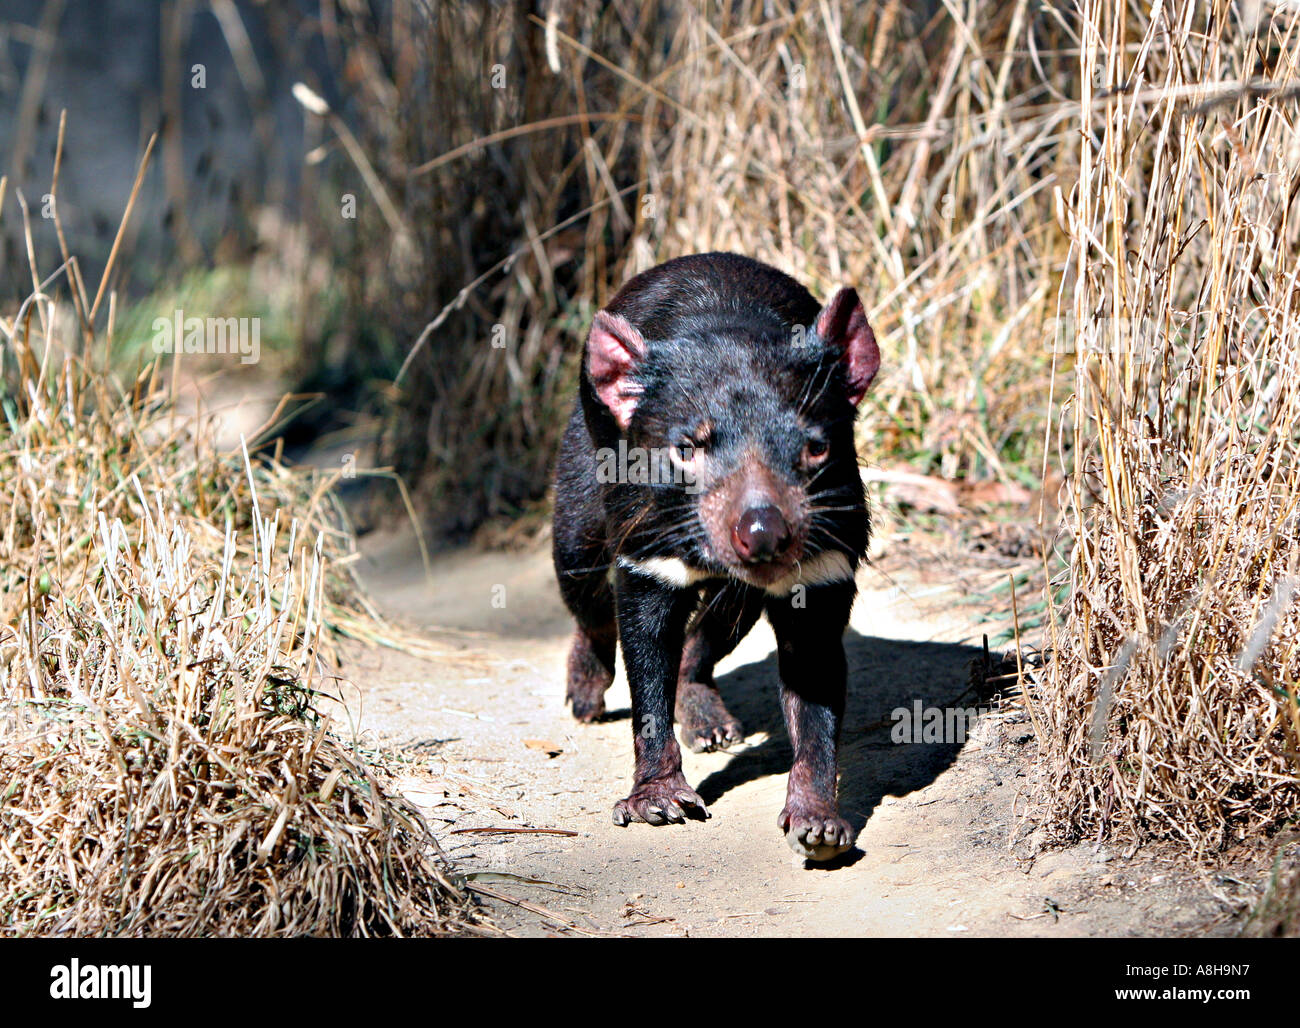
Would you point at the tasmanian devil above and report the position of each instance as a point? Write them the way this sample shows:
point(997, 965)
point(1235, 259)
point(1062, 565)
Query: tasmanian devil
point(708, 474)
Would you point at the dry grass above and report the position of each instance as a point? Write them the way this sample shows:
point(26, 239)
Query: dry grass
point(1171, 708)
point(168, 612)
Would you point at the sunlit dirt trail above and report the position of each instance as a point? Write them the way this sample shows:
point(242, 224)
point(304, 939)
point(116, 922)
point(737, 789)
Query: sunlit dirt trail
point(488, 744)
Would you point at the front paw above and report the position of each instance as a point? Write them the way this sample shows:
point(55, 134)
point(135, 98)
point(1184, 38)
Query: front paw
point(661, 801)
point(816, 834)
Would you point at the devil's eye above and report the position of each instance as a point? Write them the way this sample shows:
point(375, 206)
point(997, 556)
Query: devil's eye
point(692, 442)
point(815, 450)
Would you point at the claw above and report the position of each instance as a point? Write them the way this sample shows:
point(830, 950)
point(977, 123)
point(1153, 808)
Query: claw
point(818, 837)
point(661, 802)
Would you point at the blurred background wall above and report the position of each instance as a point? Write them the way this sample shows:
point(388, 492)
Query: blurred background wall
point(213, 79)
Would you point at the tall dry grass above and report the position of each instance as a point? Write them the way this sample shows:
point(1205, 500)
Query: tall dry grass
point(167, 622)
point(1171, 707)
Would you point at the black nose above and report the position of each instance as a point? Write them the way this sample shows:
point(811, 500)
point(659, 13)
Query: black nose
point(760, 535)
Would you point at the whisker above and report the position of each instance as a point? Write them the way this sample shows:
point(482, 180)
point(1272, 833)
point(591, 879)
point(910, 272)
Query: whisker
point(832, 536)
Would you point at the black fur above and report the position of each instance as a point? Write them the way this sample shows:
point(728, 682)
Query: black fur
point(730, 372)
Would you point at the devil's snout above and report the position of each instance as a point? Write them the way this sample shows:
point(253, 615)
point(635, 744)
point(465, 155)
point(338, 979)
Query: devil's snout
point(760, 535)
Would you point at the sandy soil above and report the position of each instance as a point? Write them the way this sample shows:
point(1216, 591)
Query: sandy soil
point(485, 741)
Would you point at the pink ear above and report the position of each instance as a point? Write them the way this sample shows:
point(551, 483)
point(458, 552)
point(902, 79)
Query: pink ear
point(614, 348)
point(842, 324)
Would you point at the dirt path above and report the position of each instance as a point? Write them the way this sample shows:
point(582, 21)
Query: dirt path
point(491, 745)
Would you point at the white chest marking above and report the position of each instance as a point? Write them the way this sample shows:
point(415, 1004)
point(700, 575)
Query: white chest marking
point(831, 566)
point(669, 570)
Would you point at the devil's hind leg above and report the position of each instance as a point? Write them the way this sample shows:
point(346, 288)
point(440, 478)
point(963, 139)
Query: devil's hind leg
point(590, 666)
point(727, 613)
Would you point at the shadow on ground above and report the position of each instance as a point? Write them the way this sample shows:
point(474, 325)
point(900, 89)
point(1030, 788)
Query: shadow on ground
point(885, 675)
